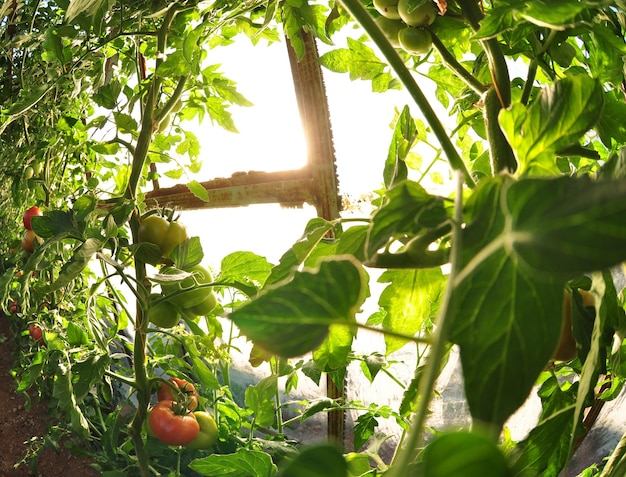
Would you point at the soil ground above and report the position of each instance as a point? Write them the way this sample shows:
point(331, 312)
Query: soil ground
point(18, 427)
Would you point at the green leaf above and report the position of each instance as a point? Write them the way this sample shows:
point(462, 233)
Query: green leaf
point(404, 137)
point(561, 115)
point(244, 463)
point(543, 451)
point(364, 428)
point(411, 301)
point(198, 190)
point(333, 354)
point(76, 7)
point(245, 266)
point(56, 223)
point(408, 209)
point(323, 460)
point(260, 399)
point(567, 226)
point(292, 317)
point(74, 267)
point(360, 61)
point(463, 454)
point(555, 15)
point(315, 231)
point(125, 123)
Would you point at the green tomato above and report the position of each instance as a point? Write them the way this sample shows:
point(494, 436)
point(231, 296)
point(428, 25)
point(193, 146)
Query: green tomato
point(190, 294)
point(28, 172)
point(164, 314)
point(391, 28)
point(415, 40)
point(387, 8)
point(38, 168)
point(208, 432)
point(165, 235)
point(205, 307)
point(422, 15)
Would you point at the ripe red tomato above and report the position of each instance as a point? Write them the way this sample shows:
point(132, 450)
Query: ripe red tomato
point(165, 235)
point(171, 428)
point(36, 333)
point(31, 212)
point(188, 393)
point(28, 241)
point(14, 308)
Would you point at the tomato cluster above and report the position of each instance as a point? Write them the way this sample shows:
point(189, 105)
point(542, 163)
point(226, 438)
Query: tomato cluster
point(403, 22)
point(175, 421)
point(29, 238)
point(161, 232)
point(184, 296)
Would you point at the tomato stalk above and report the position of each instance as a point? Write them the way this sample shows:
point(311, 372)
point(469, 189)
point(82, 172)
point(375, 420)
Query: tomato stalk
point(437, 350)
point(142, 382)
point(453, 64)
point(362, 16)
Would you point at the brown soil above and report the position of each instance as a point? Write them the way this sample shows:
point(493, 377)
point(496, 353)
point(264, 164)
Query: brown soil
point(18, 427)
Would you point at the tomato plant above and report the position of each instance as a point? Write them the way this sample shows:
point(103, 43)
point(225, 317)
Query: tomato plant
point(171, 425)
point(387, 8)
point(31, 212)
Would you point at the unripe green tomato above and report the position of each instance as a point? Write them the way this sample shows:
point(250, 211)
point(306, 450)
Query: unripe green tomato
point(387, 8)
point(192, 295)
point(206, 307)
point(424, 14)
point(28, 173)
point(208, 432)
point(415, 40)
point(164, 314)
point(391, 28)
point(38, 168)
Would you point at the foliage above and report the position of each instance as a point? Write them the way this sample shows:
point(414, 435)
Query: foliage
point(94, 99)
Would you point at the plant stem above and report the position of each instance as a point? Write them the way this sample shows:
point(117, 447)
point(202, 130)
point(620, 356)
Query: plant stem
point(452, 63)
point(437, 349)
point(616, 465)
point(361, 15)
point(142, 382)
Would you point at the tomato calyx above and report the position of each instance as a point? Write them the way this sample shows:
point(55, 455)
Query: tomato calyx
point(180, 391)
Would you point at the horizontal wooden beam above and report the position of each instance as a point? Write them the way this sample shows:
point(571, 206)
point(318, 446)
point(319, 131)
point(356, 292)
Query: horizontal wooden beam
point(289, 188)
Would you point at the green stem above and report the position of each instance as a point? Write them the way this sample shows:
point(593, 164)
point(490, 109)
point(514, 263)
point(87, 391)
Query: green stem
point(394, 334)
point(497, 63)
point(450, 61)
point(361, 15)
point(142, 382)
point(534, 63)
point(437, 350)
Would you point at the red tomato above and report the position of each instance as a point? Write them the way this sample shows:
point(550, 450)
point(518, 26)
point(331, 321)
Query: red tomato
point(187, 394)
point(31, 212)
point(14, 307)
point(36, 333)
point(171, 428)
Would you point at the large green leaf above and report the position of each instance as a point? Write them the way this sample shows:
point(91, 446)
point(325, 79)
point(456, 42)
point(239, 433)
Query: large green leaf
point(292, 317)
point(410, 299)
point(245, 463)
point(462, 454)
point(323, 460)
point(557, 119)
point(524, 239)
